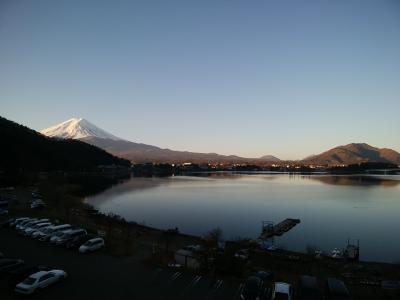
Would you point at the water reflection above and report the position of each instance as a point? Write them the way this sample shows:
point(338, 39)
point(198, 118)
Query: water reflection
point(331, 208)
point(356, 180)
point(350, 180)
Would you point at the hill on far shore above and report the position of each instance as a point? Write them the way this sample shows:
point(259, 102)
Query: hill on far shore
point(354, 153)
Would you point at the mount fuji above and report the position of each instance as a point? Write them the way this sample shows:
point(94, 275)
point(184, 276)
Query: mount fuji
point(81, 129)
point(77, 128)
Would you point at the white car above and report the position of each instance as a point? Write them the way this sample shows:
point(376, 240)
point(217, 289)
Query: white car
point(24, 222)
point(38, 204)
point(28, 231)
point(282, 291)
point(16, 221)
point(39, 280)
point(92, 245)
point(31, 224)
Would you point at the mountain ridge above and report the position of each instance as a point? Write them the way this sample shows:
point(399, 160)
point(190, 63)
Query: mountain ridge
point(352, 153)
point(138, 152)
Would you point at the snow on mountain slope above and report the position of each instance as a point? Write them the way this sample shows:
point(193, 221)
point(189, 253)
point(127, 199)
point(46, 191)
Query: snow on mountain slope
point(77, 128)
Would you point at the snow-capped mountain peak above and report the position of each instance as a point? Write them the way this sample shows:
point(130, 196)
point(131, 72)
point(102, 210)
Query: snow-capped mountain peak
point(77, 128)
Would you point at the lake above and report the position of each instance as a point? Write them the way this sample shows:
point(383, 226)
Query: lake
point(331, 208)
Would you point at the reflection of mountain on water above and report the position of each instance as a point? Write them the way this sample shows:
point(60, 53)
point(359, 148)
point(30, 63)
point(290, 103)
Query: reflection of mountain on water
point(234, 175)
point(357, 180)
point(132, 184)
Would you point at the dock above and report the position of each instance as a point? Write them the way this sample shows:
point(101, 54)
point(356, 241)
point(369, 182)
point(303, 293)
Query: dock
point(270, 230)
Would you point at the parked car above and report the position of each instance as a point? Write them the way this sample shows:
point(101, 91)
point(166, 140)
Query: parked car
point(43, 231)
point(36, 195)
point(56, 236)
point(193, 248)
point(38, 203)
point(308, 288)
point(53, 230)
point(16, 221)
point(27, 223)
point(242, 254)
point(8, 264)
point(252, 289)
point(28, 231)
point(18, 275)
point(282, 291)
point(23, 222)
point(92, 245)
point(39, 280)
point(22, 228)
point(79, 240)
point(335, 289)
point(70, 235)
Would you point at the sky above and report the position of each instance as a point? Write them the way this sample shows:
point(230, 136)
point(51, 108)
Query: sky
point(287, 78)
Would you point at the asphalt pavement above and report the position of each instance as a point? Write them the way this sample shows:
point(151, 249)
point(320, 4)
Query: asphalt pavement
point(101, 276)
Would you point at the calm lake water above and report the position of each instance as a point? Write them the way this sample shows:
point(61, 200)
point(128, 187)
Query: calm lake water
point(331, 208)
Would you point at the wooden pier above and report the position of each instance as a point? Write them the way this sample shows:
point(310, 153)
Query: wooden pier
point(270, 230)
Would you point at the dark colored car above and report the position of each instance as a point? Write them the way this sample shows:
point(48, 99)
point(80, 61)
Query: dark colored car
point(308, 288)
point(336, 290)
point(64, 239)
point(78, 241)
point(20, 274)
point(252, 288)
point(8, 264)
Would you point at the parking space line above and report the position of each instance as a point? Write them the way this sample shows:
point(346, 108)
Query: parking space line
point(192, 283)
point(239, 291)
point(175, 276)
point(211, 294)
point(218, 284)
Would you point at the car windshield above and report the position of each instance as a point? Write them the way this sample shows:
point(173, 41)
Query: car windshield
point(281, 296)
point(29, 281)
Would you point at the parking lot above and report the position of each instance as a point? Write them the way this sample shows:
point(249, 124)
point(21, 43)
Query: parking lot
point(101, 276)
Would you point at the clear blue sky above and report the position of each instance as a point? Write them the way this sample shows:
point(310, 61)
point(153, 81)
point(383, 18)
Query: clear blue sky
point(288, 78)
